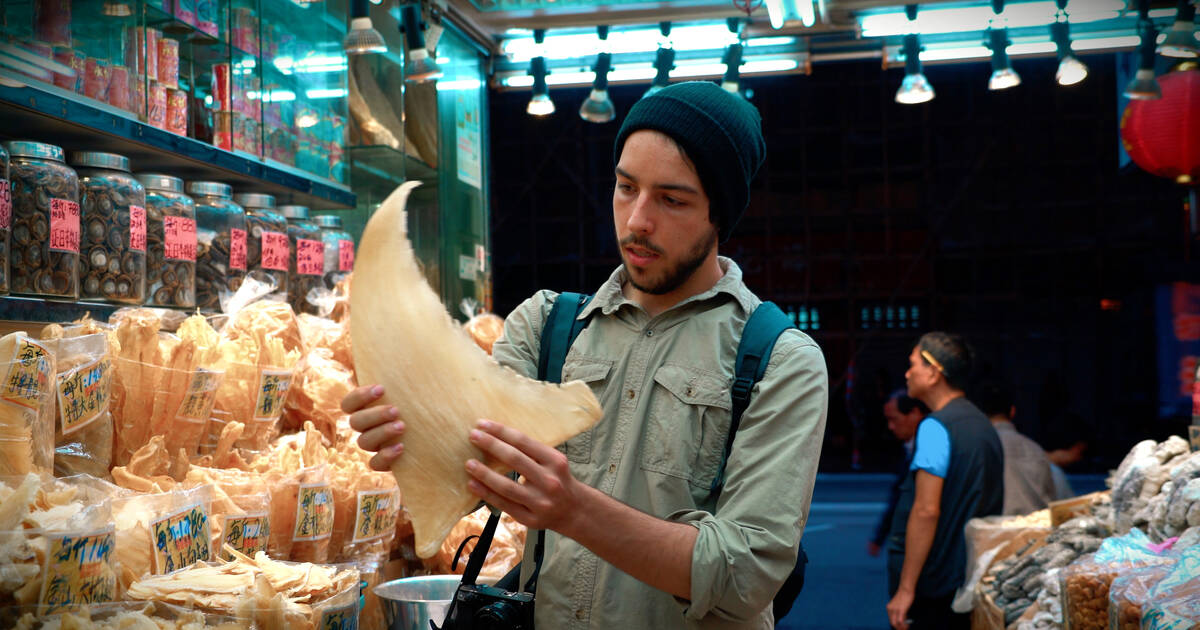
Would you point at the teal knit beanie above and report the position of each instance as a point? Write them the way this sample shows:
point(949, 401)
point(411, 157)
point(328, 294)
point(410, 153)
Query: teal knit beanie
point(720, 132)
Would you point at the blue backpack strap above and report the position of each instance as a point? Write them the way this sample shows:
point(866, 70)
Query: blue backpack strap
point(559, 332)
point(763, 328)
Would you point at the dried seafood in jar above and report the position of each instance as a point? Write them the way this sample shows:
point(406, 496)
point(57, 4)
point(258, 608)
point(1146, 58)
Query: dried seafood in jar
point(220, 243)
point(170, 242)
point(44, 250)
point(266, 242)
point(306, 258)
point(5, 219)
point(112, 263)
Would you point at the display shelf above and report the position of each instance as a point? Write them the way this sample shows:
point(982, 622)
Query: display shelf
point(37, 310)
point(50, 115)
point(380, 167)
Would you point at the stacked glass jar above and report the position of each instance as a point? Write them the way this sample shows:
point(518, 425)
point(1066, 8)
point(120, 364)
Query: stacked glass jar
point(339, 249)
point(5, 219)
point(112, 263)
point(170, 242)
point(44, 255)
point(220, 243)
point(267, 242)
point(306, 259)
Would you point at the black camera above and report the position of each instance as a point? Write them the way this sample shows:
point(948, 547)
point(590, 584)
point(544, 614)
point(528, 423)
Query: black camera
point(483, 607)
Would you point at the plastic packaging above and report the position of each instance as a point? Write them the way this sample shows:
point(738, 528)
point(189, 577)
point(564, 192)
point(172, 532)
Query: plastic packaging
point(266, 243)
point(170, 242)
point(1086, 583)
point(339, 249)
point(221, 244)
point(83, 434)
point(5, 219)
point(1174, 602)
point(367, 505)
point(26, 406)
point(162, 533)
point(301, 514)
point(44, 255)
point(1129, 593)
point(121, 616)
point(306, 258)
point(240, 508)
point(254, 395)
point(112, 263)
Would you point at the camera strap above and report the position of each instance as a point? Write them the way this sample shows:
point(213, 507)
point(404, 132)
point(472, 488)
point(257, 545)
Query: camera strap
point(479, 553)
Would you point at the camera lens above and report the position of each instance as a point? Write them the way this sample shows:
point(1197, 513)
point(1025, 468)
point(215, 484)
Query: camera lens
point(497, 616)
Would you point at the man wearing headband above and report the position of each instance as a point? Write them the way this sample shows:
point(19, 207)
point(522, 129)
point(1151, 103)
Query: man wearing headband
point(957, 474)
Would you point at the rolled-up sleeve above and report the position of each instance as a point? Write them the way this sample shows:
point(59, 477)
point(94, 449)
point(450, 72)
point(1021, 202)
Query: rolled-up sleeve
point(747, 548)
point(518, 347)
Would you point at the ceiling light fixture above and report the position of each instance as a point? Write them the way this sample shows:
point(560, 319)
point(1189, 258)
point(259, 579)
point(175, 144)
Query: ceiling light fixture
point(664, 60)
point(733, 59)
point(1181, 39)
point(362, 38)
point(1144, 87)
point(915, 88)
point(419, 67)
point(1070, 69)
point(598, 107)
point(1003, 76)
point(785, 12)
point(892, 23)
point(540, 103)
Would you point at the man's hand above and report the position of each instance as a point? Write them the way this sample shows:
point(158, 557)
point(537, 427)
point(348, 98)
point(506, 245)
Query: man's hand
point(873, 549)
point(897, 609)
point(380, 425)
point(547, 498)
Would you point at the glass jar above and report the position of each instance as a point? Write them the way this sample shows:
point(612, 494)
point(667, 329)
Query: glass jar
point(170, 242)
point(220, 243)
point(339, 249)
point(267, 242)
point(44, 256)
point(306, 258)
point(112, 261)
point(5, 219)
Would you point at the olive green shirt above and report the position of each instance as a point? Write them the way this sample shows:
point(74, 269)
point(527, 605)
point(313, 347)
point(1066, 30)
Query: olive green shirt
point(664, 383)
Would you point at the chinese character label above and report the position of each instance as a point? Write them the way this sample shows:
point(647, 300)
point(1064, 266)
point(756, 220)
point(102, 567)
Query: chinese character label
point(29, 375)
point(376, 515)
point(64, 225)
point(180, 540)
point(248, 533)
point(272, 389)
point(83, 394)
point(137, 228)
point(202, 391)
point(179, 238)
point(237, 249)
point(5, 205)
point(79, 570)
point(310, 257)
point(345, 255)
point(314, 513)
point(274, 251)
point(341, 618)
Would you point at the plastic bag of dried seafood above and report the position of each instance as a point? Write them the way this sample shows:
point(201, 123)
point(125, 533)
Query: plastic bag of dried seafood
point(240, 508)
point(367, 504)
point(161, 533)
point(256, 383)
point(370, 573)
point(1128, 595)
point(301, 514)
point(122, 615)
point(1085, 584)
point(26, 406)
point(83, 433)
point(1174, 602)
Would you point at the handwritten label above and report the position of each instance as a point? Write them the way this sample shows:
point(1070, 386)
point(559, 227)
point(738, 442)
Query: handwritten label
point(202, 391)
point(237, 249)
point(248, 533)
point(376, 515)
point(272, 389)
point(79, 570)
point(340, 618)
point(83, 394)
point(181, 539)
point(310, 257)
point(274, 251)
point(64, 225)
point(345, 255)
point(137, 228)
point(179, 238)
point(314, 512)
point(5, 205)
point(29, 375)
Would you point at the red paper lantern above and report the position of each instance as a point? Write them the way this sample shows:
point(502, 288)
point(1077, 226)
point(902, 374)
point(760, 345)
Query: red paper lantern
point(1163, 135)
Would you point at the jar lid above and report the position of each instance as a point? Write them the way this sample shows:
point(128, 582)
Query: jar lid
point(216, 189)
point(328, 221)
point(96, 159)
point(254, 200)
point(294, 212)
point(158, 181)
point(29, 148)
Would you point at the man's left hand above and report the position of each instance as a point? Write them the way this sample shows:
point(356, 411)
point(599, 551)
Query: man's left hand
point(547, 499)
point(897, 609)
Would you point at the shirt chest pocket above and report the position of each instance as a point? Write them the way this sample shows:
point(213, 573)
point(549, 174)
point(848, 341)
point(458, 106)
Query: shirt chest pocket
point(594, 372)
point(688, 423)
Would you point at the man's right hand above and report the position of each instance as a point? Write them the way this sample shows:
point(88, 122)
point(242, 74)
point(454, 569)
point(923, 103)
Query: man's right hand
point(380, 425)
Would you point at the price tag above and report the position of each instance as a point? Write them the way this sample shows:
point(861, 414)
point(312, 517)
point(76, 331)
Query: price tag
point(272, 389)
point(237, 249)
point(340, 618)
point(64, 225)
point(5, 205)
point(376, 515)
point(274, 251)
point(79, 570)
point(181, 539)
point(83, 394)
point(201, 393)
point(310, 257)
point(29, 374)
point(314, 513)
point(345, 255)
point(179, 238)
point(248, 533)
point(137, 228)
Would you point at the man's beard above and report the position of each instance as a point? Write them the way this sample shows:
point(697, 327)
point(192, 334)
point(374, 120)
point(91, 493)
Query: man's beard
point(675, 275)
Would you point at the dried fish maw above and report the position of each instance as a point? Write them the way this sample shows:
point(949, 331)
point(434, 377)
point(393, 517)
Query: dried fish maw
point(26, 405)
point(317, 392)
point(439, 380)
point(264, 319)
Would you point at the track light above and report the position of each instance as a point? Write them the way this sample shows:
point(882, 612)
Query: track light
point(1181, 39)
point(915, 88)
point(1070, 69)
point(1003, 76)
point(540, 104)
point(733, 60)
point(419, 67)
point(664, 60)
point(1144, 87)
point(598, 107)
point(362, 38)
point(784, 12)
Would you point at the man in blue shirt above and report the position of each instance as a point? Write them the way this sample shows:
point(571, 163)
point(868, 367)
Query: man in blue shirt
point(957, 474)
point(903, 414)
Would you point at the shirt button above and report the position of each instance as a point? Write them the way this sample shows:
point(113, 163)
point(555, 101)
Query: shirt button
point(630, 394)
point(649, 333)
point(612, 468)
point(579, 614)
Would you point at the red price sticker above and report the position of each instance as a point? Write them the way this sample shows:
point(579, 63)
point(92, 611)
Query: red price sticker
point(345, 255)
point(310, 257)
point(5, 205)
point(137, 228)
point(64, 225)
point(275, 251)
point(237, 249)
point(179, 237)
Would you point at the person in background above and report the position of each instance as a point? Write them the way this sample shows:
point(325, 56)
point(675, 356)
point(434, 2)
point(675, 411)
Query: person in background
point(957, 474)
point(1028, 480)
point(903, 414)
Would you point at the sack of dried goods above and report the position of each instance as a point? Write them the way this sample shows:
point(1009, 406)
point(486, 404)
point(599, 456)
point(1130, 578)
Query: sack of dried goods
point(1174, 602)
point(83, 432)
point(1129, 593)
point(26, 406)
point(1086, 583)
